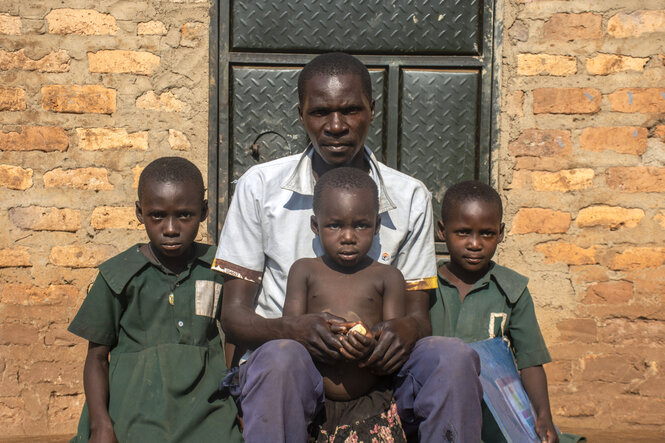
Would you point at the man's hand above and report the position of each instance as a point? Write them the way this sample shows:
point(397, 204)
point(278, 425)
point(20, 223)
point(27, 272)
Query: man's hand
point(395, 340)
point(313, 331)
point(356, 346)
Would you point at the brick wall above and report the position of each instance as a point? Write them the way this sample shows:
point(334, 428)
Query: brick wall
point(90, 92)
point(582, 170)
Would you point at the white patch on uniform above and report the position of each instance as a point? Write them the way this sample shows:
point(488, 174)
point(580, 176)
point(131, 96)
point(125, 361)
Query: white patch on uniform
point(207, 297)
point(493, 316)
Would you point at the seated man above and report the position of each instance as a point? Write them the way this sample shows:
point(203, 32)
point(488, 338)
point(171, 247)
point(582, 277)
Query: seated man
point(437, 388)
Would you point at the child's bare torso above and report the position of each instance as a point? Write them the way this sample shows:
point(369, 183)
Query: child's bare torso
point(354, 296)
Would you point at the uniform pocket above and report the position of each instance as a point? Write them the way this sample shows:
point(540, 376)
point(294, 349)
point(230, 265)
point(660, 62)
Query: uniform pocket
point(207, 297)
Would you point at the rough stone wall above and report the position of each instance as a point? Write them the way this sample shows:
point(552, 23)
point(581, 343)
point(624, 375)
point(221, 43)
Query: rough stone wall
point(581, 168)
point(90, 92)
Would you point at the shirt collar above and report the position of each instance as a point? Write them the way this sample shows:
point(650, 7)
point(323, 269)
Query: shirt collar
point(508, 281)
point(302, 181)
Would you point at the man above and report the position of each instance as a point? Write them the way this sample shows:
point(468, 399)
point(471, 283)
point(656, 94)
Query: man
point(267, 229)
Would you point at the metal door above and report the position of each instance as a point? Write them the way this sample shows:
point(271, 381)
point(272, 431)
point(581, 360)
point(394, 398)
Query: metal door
point(431, 67)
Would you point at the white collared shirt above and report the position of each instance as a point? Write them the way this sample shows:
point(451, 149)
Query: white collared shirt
point(267, 227)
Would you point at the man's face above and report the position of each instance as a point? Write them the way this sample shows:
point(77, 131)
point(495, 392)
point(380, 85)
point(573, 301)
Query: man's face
point(171, 213)
point(472, 232)
point(346, 223)
point(336, 115)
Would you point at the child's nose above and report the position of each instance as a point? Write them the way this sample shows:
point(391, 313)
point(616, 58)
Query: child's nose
point(348, 236)
point(170, 227)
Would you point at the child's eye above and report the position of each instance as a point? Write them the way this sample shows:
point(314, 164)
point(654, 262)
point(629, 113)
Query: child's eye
point(362, 226)
point(488, 234)
point(185, 215)
point(157, 216)
point(333, 226)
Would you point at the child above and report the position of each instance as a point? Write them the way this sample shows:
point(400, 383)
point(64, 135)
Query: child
point(478, 299)
point(349, 284)
point(154, 309)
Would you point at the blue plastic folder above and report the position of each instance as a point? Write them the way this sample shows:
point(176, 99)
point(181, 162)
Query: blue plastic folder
point(503, 392)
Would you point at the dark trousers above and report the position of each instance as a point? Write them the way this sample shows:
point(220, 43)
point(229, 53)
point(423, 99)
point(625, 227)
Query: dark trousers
point(437, 391)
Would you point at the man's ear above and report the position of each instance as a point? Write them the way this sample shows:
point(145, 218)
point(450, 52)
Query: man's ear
point(440, 230)
point(371, 108)
point(501, 231)
point(314, 225)
point(378, 224)
point(204, 209)
point(139, 212)
point(300, 113)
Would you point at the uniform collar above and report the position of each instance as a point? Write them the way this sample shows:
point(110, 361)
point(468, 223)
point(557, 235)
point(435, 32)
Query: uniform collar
point(509, 282)
point(301, 180)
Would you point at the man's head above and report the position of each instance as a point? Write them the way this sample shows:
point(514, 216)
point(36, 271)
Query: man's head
point(336, 109)
point(171, 205)
point(346, 214)
point(471, 226)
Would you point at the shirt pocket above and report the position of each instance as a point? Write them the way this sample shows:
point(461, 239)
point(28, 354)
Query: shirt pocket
point(207, 297)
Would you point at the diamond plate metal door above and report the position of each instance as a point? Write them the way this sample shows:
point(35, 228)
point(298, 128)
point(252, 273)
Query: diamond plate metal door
point(439, 128)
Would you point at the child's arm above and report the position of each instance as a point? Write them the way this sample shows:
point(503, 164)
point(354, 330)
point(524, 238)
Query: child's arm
point(535, 385)
point(96, 386)
point(296, 291)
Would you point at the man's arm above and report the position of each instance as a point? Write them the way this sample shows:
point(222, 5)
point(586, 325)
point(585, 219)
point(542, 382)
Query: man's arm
point(535, 385)
point(244, 328)
point(96, 386)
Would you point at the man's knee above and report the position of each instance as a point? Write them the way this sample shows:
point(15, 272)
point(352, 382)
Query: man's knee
point(281, 357)
point(450, 354)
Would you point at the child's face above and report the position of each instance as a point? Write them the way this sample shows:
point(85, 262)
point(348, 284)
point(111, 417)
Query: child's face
point(171, 213)
point(346, 224)
point(472, 232)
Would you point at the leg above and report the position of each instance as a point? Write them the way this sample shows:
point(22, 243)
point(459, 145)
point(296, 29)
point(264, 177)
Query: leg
point(439, 391)
point(281, 390)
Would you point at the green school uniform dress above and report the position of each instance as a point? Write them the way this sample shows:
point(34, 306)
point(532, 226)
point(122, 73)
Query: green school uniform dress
point(167, 358)
point(499, 304)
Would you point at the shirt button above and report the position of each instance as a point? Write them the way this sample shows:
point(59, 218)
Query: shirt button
point(181, 324)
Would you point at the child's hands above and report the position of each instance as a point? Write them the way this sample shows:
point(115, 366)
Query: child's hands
point(545, 430)
point(357, 343)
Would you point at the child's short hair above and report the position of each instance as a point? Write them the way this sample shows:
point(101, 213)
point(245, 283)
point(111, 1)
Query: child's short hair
point(471, 190)
point(171, 170)
point(345, 178)
point(334, 64)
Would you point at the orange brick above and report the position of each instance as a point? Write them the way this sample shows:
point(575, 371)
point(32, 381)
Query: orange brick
point(79, 99)
point(109, 217)
point(546, 64)
point(81, 22)
point(567, 253)
point(191, 34)
point(167, 101)
point(18, 334)
point(604, 64)
point(574, 407)
point(562, 181)
point(566, 101)
point(12, 99)
point(624, 139)
point(97, 139)
point(95, 179)
point(81, 256)
point(10, 24)
point(638, 410)
point(15, 177)
point(660, 218)
point(578, 329)
point(558, 371)
point(35, 138)
point(636, 23)
point(611, 369)
point(636, 179)
point(648, 283)
point(612, 217)
point(24, 294)
point(659, 131)
point(153, 27)
point(613, 292)
point(542, 143)
point(633, 332)
point(39, 218)
point(539, 220)
point(178, 141)
point(64, 412)
point(638, 257)
point(16, 256)
point(643, 100)
point(54, 61)
point(589, 273)
point(572, 27)
point(120, 61)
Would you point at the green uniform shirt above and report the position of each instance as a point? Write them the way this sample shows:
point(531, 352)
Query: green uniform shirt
point(167, 358)
point(499, 304)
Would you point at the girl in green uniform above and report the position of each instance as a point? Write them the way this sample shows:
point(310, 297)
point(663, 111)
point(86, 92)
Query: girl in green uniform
point(154, 309)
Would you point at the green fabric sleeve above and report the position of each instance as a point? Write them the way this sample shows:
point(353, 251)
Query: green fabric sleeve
point(526, 339)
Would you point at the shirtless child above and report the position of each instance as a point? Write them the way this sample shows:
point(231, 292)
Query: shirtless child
point(347, 283)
